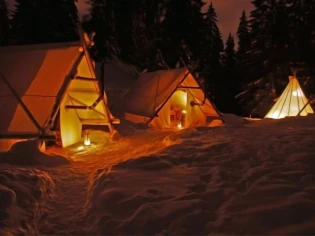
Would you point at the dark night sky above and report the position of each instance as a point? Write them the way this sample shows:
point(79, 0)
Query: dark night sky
point(229, 12)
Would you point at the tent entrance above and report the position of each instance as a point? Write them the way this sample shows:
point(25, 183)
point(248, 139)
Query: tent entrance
point(178, 106)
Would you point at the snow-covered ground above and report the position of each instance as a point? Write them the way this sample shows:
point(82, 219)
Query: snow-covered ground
point(247, 177)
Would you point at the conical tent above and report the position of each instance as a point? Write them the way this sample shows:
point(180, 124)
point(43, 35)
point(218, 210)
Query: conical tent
point(45, 85)
point(169, 98)
point(292, 102)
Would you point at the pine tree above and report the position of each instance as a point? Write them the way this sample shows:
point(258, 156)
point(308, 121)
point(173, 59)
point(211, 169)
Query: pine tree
point(229, 86)
point(269, 36)
point(145, 34)
point(38, 21)
point(69, 20)
point(101, 21)
point(4, 23)
point(301, 20)
point(243, 34)
point(213, 39)
point(212, 50)
point(182, 31)
point(229, 54)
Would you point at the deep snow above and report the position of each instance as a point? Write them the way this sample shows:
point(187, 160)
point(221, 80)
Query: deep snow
point(247, 177)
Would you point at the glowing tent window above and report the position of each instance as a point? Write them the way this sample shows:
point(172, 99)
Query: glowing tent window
point(297, 93)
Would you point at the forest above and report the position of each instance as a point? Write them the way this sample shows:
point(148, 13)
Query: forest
point(242, 74)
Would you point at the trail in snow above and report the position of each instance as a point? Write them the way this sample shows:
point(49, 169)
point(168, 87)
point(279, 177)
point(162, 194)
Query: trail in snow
point(65, 212)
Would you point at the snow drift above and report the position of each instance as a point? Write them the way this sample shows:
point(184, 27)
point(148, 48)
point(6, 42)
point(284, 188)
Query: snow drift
point(29, 153)
point(22, 195)
point(256, 179)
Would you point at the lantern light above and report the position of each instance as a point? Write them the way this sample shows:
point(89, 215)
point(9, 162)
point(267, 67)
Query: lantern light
point(184, 111)
point(179, 125)
point(87, 141)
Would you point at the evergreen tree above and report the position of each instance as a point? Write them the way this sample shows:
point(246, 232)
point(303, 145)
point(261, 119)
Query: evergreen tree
point(38, 21)
point(243, 34)
point(229, 87)
point(145, 34)
point(301, 20)
point(101, 21)
point(269, 36)
point(230, 55)
point(182, 31)
point(69, 20)
point(213, 39)
point(4, 23)
point(212, 53)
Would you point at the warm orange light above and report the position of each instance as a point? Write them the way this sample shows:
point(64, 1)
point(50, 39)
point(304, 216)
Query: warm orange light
point(179, 125)
point(184, 111)
point(87, 141)
point(80, 148)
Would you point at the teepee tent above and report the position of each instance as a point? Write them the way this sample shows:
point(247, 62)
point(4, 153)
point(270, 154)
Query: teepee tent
point(292, 102)
point(47, 86)
point(169, 98)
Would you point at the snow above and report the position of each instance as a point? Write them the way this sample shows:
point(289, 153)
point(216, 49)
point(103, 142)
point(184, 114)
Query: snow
point(249, 176)
point(29, 152)
point(23, 192)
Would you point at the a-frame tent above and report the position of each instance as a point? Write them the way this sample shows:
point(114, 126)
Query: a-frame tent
point(292, 102)
point(47, 86)
point(117, 80)
point(169, 98)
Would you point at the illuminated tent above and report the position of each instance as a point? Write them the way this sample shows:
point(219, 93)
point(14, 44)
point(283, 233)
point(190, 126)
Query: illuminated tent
point(292, 102)
point(169, 98)
point(47, 86)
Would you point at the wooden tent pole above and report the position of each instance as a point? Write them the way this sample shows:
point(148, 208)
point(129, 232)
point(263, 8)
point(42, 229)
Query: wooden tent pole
point(64, 87)
point(308, 102)
point(24, 107)
point(204, 92)
point(92, 71)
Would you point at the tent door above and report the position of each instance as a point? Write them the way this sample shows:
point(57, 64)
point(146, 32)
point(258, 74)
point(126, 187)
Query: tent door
point(178, 104)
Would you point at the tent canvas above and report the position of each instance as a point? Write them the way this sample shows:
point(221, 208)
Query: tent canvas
point(41, 85)
point(117, 80)
point(168, 98)
point(291, 102)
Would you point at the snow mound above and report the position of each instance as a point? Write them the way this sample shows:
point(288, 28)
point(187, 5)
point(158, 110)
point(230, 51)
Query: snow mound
point(126, 128)
point(29, 153)
point(23, 193)
point(288, 122)
point(251, 180)
point(232, 120)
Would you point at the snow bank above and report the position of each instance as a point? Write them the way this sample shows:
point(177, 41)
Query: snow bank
point(22, 194)
point(232, 120)
point(251, 180)
point(29, 153)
